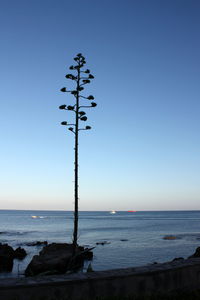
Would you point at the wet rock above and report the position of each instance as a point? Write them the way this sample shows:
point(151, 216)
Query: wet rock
point(87, 254)
point(6, 258)
point(196, 254)
point(177, 258)
point(56, 258)
point(102, 243)
point(7, 255)
point(169, 237)
point(20, 253)
point(37, 243)
point(89, 268)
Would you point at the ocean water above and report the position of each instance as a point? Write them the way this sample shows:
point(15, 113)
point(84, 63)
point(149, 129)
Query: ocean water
point(133, 238)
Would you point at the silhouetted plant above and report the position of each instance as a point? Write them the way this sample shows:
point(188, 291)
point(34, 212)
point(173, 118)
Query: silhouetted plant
point(81, 78)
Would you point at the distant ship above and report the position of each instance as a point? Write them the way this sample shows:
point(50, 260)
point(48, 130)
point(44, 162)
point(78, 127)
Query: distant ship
point(131, 210)
point(38, 217)
point(112, 212)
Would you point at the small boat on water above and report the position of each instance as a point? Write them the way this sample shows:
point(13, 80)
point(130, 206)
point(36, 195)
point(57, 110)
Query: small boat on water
point(112, 212)
point(34, 217)
point(131, 210)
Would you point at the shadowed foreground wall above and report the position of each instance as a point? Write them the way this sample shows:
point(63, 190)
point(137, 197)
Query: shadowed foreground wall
point(167, 278)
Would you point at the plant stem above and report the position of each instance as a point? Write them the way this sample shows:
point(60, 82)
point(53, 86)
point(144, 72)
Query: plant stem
point(75, 234)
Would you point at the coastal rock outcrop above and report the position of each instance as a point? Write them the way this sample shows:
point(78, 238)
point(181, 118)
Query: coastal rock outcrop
point(196, 254)
point(177, 258)
point(57, 258)
point(20, 253)
point(6, 258)
point(37, 243)
point(7, 255)
point(102, 243)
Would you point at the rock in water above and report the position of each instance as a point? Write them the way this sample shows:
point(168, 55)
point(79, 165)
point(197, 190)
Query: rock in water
point(178, 258)
point(37, 243)
point(20, 253)
point(196, 254)
point(7, 255)
point(6, 258)
point(56, 258)
point(102, 243)
point(89, 268)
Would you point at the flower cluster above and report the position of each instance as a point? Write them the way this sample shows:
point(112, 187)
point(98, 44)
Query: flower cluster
point(81, 78)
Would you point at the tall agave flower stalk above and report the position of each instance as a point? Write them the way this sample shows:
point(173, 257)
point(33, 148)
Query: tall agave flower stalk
point(81, 77)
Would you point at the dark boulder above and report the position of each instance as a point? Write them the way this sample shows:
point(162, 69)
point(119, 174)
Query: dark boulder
point(102, 243)
point(196, 254)
point(87, 254)
point(7, 255)
point(6, 258)
point(56, 258)
point(20, 253)
point(178, 258)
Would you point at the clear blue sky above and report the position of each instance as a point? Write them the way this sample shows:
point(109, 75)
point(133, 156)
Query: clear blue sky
point(144, 150)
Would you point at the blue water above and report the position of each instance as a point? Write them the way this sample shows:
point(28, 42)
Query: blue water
point(144, 232)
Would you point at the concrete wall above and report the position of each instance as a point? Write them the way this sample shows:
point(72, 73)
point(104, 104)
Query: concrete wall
point(164, 278)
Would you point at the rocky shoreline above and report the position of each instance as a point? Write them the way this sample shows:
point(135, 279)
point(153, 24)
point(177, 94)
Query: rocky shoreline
point(54, 258)
point(7, 256)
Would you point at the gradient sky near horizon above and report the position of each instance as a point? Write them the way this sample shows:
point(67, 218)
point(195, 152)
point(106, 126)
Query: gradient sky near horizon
point(143, 152)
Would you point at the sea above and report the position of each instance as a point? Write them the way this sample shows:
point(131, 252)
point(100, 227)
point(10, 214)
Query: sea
point(121, 240)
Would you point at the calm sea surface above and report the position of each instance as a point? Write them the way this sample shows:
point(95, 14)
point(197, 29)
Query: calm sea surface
point(142, 233)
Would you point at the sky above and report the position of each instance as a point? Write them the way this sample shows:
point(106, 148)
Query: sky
point(143, 152)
